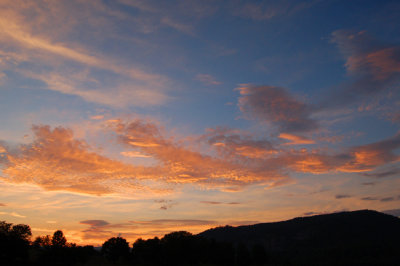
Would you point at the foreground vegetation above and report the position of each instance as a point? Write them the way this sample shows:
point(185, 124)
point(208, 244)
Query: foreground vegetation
point(349, 238)
point(176, 248)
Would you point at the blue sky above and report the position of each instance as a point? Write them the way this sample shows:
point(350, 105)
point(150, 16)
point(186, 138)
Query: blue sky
point(142, 117)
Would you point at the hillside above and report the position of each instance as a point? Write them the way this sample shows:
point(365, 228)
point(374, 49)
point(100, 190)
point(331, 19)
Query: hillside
point(362, 237)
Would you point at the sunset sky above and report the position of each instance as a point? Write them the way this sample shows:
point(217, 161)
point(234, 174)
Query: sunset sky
point(138, 118)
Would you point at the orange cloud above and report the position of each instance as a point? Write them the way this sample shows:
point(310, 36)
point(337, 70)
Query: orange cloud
point(232, 144)
point(56, 161)
point(182, 165)
point(295, 140)
point(368, 157)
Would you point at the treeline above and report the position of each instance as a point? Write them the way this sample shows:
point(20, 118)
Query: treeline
point(176, 248)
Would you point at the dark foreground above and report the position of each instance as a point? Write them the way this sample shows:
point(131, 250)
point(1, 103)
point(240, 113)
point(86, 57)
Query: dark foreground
point(347, 238)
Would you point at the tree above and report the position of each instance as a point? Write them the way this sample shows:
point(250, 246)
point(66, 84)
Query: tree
point(21, 231)
point(58, 239)
point(115, 248)
point(42, 241)
point(14, 242)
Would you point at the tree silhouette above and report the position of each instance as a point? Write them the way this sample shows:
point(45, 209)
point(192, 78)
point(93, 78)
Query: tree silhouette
point(42, 241)
point(58, 240)
point(14, 242)
point(115, 248)
point(147, 252)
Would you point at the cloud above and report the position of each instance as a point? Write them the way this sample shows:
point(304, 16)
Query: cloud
point(207, 79)
point(369, 183)
point(232, 144)
point(373, 68)
point(2, 149)
point(211, 202)
point(387, 199)
point(134, 154)
point(342, 196)
point(322, 213)
point(175, 222)
point(368, 157)
point(36, 34)
point(14, 214)
point(230, 161)
point(181, 16)
point(295, 140)
point(369, 198)
point(383, 174)
point(275, 105)
point(97, 117)
point(57, 161)
point(267, 10)
point(219, 202)
point(394, 212)
point(2, 205)
point(183, 165)
point(95, 223)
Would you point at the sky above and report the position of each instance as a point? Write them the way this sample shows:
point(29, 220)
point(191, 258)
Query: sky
point(137, 118)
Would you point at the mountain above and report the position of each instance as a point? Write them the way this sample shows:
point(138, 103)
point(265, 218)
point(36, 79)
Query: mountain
point(362, 237)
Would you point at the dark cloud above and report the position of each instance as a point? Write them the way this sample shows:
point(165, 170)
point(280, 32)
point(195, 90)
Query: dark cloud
point(219, 202)
point(369, 198)
point(211, 202)
point(238, 223)
point(95, 223)
point(175, 222)
point(2, 205)
point(342, 196)
point(388, 173)
point(388, 199)
point(313, 213)
point(324, 212)
point(276, 105)
point(369, 183)
point(385, 199)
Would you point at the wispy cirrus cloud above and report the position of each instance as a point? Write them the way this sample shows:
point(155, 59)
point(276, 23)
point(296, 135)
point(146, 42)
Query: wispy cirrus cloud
point(14, 214)
point(207, 79)
point(29, 34)
point(267, 10)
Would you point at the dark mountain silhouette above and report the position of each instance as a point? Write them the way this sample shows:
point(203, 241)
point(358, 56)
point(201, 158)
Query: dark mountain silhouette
point(362, 237)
